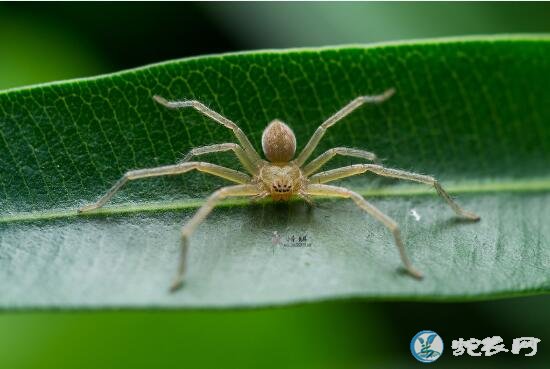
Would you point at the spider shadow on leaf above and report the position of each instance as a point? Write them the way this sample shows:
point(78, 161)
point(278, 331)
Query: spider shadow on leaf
point(280, 216)
point(451, 222)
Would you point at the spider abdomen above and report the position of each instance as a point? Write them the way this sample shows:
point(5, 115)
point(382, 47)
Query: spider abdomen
point(278, 142)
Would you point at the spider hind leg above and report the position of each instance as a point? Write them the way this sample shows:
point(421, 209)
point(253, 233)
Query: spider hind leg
point(198, 218)
point(327, 190)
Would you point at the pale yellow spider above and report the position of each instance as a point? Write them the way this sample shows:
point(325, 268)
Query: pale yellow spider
point(280, 177)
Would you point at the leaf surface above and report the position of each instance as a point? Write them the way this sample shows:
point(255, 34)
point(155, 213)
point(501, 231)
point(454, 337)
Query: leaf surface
point(473, 112)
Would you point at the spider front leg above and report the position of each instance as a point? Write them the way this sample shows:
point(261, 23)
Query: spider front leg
point(320, 132)
point(322, 159)
point(189, 227)
point(332, 175)
point(327, 190)
point(230, 174)
point(217, 117)
point(239, 152)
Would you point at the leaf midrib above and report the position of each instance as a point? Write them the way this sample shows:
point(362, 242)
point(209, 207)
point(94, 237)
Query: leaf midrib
point(515, 186)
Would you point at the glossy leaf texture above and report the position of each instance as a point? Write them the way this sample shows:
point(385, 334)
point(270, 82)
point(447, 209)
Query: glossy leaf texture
point(473, 112)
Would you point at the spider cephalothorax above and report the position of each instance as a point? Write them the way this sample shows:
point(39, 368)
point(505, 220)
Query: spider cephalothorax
point(281, 181)
point(281, 176)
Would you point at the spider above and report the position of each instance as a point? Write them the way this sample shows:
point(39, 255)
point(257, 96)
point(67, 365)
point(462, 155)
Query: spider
point(280, 176)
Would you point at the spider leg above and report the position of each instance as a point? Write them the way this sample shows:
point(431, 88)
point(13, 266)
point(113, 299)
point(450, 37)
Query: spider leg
point(230, 174)
point(239, 152)
point(259, 196)
point(327, 190)
point(200, 215)
point(306, 197)
point(332, 175)
point(322, 159)
point(200, 107)
point(319, 133)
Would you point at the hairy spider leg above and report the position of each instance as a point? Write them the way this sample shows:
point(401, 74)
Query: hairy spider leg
point(332, 175)
point(253, 156)
point(320, 132)
point(322, 159)
point(239, 152)
point(200, 215)
point(328, 190)
point(229, 174)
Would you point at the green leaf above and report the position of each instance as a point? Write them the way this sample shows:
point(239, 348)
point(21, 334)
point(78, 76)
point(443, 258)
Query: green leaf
point(473, 112)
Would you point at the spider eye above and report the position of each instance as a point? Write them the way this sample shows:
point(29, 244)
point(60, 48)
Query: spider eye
point(278, 187)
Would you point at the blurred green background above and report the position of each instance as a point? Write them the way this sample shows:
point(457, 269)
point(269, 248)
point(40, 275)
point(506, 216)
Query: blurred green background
point(47, 42)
